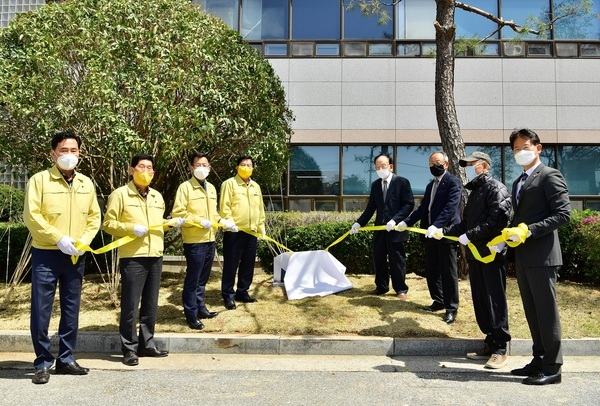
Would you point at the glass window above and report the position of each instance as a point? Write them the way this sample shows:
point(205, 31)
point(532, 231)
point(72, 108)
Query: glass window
point(412, 162)
point(358, 167)
point(581, 168)
point(316, 19)
point(471, 25)
point(512, 170)
point(521, 12)
point(315, 170)
point(265, 19)
point(227, 10)
point(415, 19)
point(578, 26)
point(359, 26)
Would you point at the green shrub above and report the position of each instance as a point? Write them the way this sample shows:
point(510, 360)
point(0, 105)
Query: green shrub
point(571, 243)
point(13, 237)
point(589, 228)
point(11, 203)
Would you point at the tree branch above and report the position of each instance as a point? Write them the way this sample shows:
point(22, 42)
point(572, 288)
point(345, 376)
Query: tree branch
point(498, 20)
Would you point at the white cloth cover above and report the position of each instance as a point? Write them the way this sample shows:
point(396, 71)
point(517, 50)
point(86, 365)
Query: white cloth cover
point(310, 273)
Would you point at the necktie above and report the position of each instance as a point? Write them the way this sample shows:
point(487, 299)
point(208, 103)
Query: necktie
point(385, 185)
point(522, 179)
point(436, 182)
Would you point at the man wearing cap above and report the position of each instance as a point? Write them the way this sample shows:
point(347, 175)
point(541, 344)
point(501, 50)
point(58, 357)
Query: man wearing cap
point(486, 214)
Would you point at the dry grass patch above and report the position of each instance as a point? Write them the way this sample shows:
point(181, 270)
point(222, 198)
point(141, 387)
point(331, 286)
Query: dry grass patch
point(354, 311)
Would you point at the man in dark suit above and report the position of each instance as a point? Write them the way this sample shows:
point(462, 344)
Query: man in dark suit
point(440, 208)
point(542, 203)
point(392, 198)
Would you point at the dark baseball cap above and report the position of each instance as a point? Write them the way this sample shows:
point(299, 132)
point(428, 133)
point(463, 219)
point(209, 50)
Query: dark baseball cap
point(476, 156)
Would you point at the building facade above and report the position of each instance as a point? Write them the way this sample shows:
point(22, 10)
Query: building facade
point(359, 87)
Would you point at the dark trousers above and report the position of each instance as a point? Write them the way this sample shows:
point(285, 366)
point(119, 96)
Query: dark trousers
point(239, 251)
point(488, 290)
point(538, 292)
point(389, 260)
point(442, 272)
point(140, 283)
point(49, 268)
point(199, 259)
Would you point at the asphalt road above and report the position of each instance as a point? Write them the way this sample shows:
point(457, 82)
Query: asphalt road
point(198, 379)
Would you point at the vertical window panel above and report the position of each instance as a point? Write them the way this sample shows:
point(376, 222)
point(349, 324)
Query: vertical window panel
point(227, 10)
point(581, 168)
point(316, 19)
point(414, 19)
point(521, 12)
point(471, 25)
point(265, 19)
point(314, 170)
point(579, 26)
point(359, 26)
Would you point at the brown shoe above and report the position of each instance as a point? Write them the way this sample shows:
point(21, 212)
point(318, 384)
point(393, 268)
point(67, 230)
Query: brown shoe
point(401, 296)
point(483, 353)
point(496, 361)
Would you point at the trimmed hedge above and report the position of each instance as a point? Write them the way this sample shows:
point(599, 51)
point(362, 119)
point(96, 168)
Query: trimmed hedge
point(17, 234)
point(11, 203)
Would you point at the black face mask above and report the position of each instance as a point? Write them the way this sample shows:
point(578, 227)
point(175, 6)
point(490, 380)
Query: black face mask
point(437, 170)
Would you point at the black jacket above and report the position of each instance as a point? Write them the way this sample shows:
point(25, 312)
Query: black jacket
point(487, 213)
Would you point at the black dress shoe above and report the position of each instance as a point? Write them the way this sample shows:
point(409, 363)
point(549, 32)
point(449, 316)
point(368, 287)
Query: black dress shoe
point(379, 292)
point(449, 317)
point(42, 375)
point(435, 306)
point(195, 324)
point(245, 298)
point(72, 368)
point(153, 352)
point(130, 358)
point(527, 370)
point(205, 314)
point(542, 379)
point(230, 305)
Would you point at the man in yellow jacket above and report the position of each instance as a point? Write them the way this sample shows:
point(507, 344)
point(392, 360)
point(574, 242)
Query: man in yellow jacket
point(196, 202)
point(241, 205)
point(137, 210)
point(60, 209)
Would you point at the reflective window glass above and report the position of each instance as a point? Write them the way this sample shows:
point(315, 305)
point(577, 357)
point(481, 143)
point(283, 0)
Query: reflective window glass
point(316, 19)
point(471, 25)
point(415, 19)
point(412, 163)
point(314, 170)
point(358, 167)
point(359, 26)
point(578, 26)
point(265, 19)
point(227, 10)
point(581, 168)
point(521, 12)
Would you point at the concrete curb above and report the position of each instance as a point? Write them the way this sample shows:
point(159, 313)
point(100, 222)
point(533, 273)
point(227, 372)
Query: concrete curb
point(102, 342)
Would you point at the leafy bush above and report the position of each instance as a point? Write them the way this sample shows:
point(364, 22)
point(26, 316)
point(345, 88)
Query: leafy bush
point(12, 240)
point(580, 243)
point(11, 203)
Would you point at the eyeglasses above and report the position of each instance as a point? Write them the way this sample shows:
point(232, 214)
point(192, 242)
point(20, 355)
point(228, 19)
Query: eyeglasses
point(525, 147)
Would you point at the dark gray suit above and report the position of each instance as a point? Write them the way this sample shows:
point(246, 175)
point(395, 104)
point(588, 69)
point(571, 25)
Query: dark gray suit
point(543, 206)
point(398, 204)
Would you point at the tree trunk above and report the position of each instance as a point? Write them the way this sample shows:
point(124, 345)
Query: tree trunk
point(445, 110)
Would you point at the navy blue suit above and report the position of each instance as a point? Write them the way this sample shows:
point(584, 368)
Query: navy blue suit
point(399, 202)
point(440, 255)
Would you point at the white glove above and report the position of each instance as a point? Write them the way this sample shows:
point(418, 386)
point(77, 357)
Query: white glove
point(176, 222)
point(438, 234)
point(402, 226)
point(354, 228)
point(264, 236)
point(205, 223)
point(234, 229)
point(65, 244)
point(140, 230)
point(514, 238)
point(431, 231)
point(498, 247)
point(463, 239)
point(390, 225)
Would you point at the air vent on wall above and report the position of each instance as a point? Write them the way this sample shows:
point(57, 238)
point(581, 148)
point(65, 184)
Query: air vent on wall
point(511, 49)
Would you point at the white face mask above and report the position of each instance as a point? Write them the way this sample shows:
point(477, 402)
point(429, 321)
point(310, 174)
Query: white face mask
point(471, 172)
point(525, 157)
point(201, 172)
point(383, 173)
point(67, 162)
